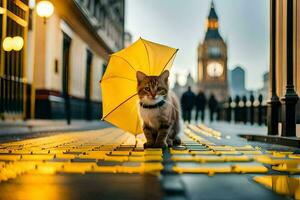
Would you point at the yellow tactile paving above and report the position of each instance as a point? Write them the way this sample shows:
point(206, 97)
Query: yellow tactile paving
point(36, 157)
point(153, 151)
point(8, 157)
point(294, 156)
point(120, 153)
point(254, 152)
point(116, 158)
point(242, 158)
point(173, 151)
point(249, 168)
point(210, 170)
point(103, 169)
point(274, 160)
point(64, 156)
point(231, 152)
point(146, 158)
point(76, 167)
point(114, 151)
point(137, 153)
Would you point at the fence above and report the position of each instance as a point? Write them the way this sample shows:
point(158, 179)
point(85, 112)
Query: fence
point(242, 110)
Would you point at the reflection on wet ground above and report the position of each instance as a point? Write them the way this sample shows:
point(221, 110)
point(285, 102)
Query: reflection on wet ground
point(285, 185)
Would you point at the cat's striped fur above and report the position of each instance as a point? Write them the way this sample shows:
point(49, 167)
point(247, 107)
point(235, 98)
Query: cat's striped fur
point(161, 121)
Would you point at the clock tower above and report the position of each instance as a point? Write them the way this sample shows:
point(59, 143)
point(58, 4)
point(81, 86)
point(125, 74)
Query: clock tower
point(212, 60)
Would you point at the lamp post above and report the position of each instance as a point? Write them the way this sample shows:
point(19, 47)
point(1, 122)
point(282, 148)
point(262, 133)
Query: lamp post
point(44, 9)
point(290, 99)
point(273, 103)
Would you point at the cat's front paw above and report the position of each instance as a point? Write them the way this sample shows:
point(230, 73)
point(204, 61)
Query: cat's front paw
point(177, 141)
point(161, 145)
point(148, 145)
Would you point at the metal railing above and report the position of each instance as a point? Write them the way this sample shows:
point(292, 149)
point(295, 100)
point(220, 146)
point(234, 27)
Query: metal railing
point(13, 78)
point(243, 111)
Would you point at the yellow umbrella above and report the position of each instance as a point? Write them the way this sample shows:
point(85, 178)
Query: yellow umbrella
point(119, 84)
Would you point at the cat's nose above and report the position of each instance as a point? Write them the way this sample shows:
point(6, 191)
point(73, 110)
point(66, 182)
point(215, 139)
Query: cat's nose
point(153, 95)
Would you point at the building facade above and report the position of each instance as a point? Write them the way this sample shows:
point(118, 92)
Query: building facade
point(212, 60)
point(264, 90)
point(64, 57)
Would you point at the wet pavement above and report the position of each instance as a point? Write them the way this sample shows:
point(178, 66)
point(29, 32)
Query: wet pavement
point(112, 164)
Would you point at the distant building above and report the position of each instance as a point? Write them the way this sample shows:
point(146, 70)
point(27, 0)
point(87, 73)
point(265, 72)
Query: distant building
point(237, 82)
point(264, 91)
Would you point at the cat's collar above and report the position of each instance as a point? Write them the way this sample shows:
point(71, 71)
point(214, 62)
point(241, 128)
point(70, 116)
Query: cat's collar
point(157, 105)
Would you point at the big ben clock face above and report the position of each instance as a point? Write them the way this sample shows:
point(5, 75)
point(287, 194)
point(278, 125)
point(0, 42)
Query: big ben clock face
point(215, 69)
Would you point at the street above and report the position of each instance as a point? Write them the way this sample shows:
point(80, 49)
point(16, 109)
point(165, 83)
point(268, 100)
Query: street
point(109, 163)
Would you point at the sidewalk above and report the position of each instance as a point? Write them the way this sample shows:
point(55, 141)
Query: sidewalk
point(112, 164)
point(238, 129)
point(252, 133)
point(29, 128)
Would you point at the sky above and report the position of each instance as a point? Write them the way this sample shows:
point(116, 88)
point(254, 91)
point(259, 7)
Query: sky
point(244, 24)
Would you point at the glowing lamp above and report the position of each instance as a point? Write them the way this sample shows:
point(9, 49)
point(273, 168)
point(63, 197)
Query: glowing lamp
point(44, 9)
point(8, 44)
point(18, 43)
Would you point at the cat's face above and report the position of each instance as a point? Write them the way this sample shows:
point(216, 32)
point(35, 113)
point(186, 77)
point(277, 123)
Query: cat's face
point(152, 89)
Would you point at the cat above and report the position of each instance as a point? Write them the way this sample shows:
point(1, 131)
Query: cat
point(159, 110)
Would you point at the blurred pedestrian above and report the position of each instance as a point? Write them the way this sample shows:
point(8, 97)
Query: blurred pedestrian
point(237, 109)
point(212, 105)
point(229, 109)
point(187, 104)
point(200, 105)
point(244, 111)
point(252, 99)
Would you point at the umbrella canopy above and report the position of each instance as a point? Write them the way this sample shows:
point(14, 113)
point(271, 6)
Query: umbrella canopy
point(119, 84)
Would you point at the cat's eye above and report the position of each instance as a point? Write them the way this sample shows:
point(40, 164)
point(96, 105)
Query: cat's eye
point(160, 88)
point(147, 89)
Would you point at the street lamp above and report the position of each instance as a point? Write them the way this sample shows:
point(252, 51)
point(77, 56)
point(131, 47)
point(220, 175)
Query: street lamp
point(7, 44)
point(44, 9)
point(16, 43)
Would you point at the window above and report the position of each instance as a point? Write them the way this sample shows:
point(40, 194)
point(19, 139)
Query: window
point(214, 51)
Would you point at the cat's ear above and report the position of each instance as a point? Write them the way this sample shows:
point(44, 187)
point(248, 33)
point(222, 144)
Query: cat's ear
point(165, 75)
point(140, 76)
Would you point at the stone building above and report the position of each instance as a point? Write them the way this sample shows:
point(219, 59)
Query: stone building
point(63, 58)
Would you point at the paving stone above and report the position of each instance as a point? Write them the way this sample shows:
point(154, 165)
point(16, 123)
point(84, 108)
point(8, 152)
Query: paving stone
point(203, 153)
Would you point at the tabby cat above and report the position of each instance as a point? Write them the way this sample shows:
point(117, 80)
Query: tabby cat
point(159, 110)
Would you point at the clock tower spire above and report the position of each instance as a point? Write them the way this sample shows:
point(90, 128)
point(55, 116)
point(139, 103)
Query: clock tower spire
point(212, 24)
point(212, 59)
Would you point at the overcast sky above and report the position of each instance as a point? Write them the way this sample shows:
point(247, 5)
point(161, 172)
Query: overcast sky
point(244, 24)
